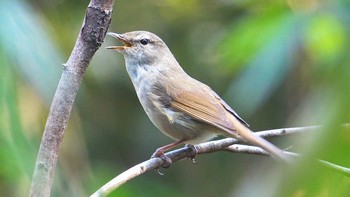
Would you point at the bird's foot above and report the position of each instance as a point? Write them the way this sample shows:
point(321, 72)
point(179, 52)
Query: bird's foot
point(166, 160)
point(194, 153)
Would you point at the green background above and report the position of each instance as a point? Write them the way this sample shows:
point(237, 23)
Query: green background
point(277, 63)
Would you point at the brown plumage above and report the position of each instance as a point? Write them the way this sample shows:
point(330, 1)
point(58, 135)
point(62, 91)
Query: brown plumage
point(181, 107)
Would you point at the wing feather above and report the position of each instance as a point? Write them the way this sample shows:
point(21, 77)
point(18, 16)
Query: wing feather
point(202, 103)
point(228, 108)
point(210, 111)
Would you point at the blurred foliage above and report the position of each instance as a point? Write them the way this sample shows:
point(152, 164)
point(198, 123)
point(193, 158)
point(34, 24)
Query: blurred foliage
point(278, 64)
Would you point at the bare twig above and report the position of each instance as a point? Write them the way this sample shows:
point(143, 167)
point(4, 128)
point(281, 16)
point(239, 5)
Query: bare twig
point(207, 147)
point(97, 19)
point(238, 148)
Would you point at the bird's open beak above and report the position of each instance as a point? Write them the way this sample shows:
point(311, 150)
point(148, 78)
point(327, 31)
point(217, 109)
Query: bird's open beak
point(121, 38)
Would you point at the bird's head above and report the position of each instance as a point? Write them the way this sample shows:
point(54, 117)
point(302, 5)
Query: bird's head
point(140, 46)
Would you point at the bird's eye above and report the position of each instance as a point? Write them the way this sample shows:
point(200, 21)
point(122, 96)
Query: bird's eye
point(144, 41)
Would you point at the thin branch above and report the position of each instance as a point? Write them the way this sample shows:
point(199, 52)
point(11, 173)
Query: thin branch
point(226, 144)
point(238, 148)
point(97, 19)
point(340, 169)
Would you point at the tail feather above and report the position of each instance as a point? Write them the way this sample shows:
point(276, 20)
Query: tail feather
point(250, 137)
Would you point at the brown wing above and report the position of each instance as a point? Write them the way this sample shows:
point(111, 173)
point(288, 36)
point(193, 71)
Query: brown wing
point(228, 108)
point(203, 106)
point(199, 101)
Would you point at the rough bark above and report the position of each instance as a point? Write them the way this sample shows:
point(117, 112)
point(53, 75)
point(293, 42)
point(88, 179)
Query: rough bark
point(96, 22)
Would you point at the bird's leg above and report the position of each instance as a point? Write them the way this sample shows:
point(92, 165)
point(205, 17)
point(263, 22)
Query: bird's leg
point(194, 153)
point(160, 153)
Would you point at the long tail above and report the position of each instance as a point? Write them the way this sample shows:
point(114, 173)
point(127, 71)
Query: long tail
point(249, 136)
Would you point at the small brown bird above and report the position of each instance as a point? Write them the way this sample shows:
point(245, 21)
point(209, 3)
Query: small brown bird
point(183, 108)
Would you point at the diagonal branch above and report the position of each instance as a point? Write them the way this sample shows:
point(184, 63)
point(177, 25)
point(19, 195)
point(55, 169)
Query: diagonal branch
point(97, 19)
point(239, 148)
point(227, 144)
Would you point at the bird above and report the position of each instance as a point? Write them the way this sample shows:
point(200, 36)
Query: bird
point(181, 107)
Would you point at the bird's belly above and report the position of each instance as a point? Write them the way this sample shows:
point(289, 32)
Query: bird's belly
point(178, 126)
point(173, 124)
